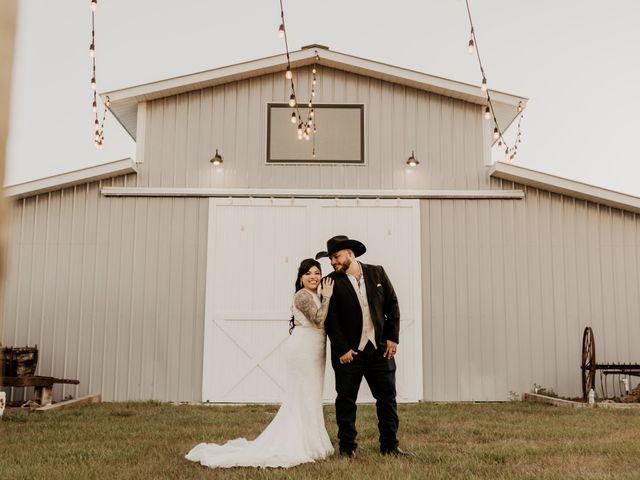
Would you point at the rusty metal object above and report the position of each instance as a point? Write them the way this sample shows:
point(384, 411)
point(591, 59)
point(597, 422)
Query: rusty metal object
point(588, 362)
point(589, 365)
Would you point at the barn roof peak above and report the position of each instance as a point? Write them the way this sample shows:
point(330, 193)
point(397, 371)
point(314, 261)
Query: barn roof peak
point(124, 102)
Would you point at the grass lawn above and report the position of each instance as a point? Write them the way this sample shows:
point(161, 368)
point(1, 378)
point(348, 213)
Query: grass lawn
point(471, 441)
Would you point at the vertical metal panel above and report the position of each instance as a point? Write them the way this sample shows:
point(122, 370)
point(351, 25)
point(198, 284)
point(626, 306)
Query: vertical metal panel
point(183, 132)
point(510, 285)
point(111, 290)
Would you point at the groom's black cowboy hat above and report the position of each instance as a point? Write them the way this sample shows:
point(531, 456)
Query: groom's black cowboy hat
point(342, 242)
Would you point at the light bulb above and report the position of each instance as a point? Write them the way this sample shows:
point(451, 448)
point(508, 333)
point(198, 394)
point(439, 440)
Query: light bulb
point(487, 113)
point(496, 133)
point(313, 92)
point(93, 83)
point(313, 82)
point(293, 117)
point(300, 129)
point(520, 107)
point(311, 113)
point(307, 130)
point(314, 70)
point(92, 50)
point(292, 100)
point(94, 4)
point(288, 74)
point(107, 102)
point(281, 30)
point(472, 45)
point(310, 122)
point(310, 104)
point(483, 87)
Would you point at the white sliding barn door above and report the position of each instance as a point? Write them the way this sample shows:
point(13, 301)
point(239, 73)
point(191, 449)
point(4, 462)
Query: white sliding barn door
point(254, 249)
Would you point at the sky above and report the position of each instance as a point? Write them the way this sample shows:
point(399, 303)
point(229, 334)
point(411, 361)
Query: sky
point(576, 60)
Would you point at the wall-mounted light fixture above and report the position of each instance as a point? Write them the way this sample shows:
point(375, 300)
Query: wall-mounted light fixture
point(412, 161)
point(217, 159)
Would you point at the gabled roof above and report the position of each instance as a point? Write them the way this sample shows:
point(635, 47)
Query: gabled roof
point(564, 186)
point(124, 102)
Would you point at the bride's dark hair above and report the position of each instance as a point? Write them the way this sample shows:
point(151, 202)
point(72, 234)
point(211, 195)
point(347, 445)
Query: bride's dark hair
point(304, 267)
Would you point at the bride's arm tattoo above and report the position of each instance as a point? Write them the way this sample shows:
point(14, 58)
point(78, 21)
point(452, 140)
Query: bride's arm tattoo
point(304, 302)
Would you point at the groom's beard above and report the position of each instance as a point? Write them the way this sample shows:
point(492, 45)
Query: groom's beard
point(343, 267)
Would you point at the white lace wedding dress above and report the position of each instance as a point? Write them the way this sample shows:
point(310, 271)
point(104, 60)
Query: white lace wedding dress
point(297, 433)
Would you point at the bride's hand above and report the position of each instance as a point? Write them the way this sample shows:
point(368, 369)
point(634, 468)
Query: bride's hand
point(327, 287)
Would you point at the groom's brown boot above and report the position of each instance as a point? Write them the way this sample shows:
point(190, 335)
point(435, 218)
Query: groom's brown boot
point(397, 452)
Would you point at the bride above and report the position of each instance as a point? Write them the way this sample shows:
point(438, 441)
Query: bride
point(297, 433)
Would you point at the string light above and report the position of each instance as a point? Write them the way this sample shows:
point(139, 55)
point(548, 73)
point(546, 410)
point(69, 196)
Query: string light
point(98, 126)
point(304, 129)
point(511, 153)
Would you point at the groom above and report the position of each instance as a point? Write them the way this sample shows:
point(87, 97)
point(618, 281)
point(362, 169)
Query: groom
point(363, 325)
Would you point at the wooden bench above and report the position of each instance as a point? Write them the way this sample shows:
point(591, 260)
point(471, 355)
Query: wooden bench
point(42, 386)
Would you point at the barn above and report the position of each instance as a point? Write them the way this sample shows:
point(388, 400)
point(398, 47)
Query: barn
point(169, 276)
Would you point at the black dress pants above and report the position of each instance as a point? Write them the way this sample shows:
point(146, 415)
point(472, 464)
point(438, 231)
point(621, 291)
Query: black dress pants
point(380, 374)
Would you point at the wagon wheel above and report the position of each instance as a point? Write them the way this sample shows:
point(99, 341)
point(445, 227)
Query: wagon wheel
point(588, 362)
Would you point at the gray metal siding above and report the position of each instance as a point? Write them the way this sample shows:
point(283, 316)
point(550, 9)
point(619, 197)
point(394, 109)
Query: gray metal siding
point(183, 132)
point(509, 286)
point(111, 290)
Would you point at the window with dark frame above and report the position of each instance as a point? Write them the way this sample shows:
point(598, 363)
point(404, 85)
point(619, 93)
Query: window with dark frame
point(339, 137)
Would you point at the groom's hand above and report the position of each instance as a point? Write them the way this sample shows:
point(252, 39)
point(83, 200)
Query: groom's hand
point(391, 349)
point(348, 357)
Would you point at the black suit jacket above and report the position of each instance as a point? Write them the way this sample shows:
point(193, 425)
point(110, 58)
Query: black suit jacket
point(344, 320)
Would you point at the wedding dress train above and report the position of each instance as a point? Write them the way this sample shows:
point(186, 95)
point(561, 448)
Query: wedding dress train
point(297, 434)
